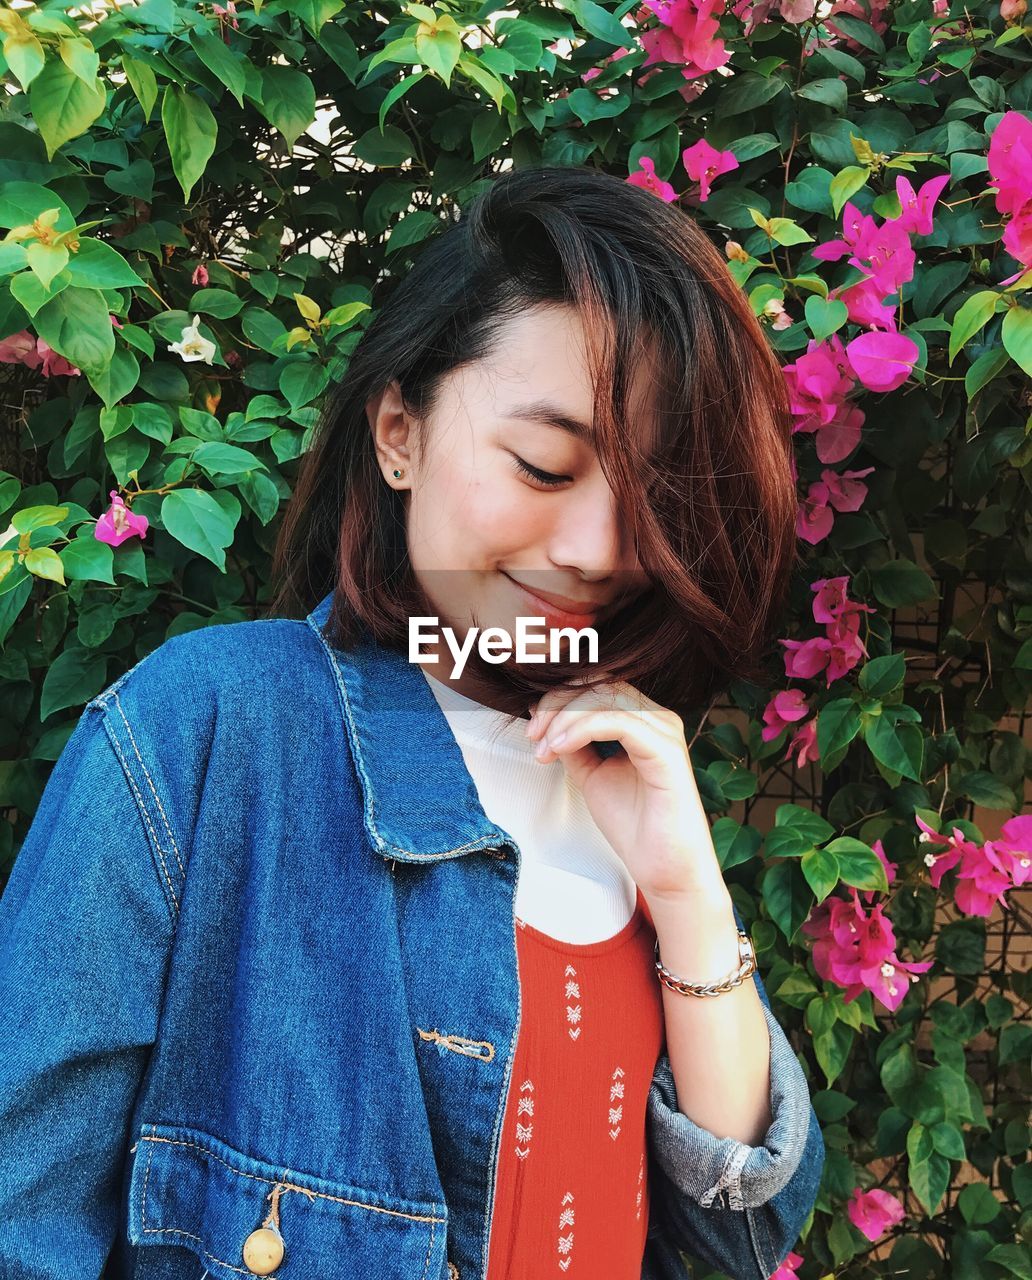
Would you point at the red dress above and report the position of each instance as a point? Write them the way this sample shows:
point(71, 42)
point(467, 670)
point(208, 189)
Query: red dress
point(572, 1193)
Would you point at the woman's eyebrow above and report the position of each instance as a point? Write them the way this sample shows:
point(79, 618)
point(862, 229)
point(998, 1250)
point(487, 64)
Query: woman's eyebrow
point(552, 415)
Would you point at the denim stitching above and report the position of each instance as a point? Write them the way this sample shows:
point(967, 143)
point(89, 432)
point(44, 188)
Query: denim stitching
point(290, 1186)
point(150, 783)
point(730, 1179)
point(455, 1043)
point(141, 805)
point(757, 1228)
point(429, 1250)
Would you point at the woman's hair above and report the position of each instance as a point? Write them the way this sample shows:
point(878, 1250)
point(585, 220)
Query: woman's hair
point(711, 507)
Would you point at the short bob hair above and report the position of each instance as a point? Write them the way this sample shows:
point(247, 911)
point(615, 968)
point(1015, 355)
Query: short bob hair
point(711, 504)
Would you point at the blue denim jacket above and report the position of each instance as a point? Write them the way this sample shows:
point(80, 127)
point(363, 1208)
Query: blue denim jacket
point(259, 873)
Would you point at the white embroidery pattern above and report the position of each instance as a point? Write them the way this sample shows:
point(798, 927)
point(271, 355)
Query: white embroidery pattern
point(566, 1241)
point(524, 1107)
point(573, 1011)
point(616, 1090)
point(641, 1180)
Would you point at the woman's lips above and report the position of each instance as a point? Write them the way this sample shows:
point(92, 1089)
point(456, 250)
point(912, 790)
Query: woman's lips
point(554, 616)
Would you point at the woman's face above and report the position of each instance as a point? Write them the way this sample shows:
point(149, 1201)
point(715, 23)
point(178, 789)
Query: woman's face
point(478, 523)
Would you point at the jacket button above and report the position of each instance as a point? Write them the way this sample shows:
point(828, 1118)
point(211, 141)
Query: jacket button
point(263, 1251)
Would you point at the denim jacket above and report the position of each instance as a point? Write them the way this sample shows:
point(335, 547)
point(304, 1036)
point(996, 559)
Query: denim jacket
point(258, 981)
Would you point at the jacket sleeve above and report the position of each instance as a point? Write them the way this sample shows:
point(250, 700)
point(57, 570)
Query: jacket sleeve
point(86, 922)
point(737, 1207)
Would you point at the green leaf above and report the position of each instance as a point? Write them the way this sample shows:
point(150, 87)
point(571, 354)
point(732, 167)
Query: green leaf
point(746, 91)
point(1017, 337)
point(787, 896)
point(29, 519)
point(824, 317)
point(971, 316)
point(78, 326)
point(838, 723)
point(97, 266)
point(260, 493)
point(733, 842)
point(898, 583)
point(288, 101)
point(899, 747)
point(62, 106)
point(302, 381)
point(87, 559)
point(116, 381)
point(929, 1178)
point(224, 459)
point(44, 562)
point(220, 61)
point(1013, 1257)
point(846, 183)
point(831, 92)
point(143, 83)
point(883, 676)
point(858, 864)
point(190, 131)
point(597, 21)
point(821, 869)
point(194, 518)
point(220, 303)
point(75, 676)
point(985, 789)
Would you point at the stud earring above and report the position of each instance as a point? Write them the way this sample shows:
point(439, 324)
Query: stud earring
point(397, 474)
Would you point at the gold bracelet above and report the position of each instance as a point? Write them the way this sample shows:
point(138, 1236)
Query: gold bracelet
point(746, 967)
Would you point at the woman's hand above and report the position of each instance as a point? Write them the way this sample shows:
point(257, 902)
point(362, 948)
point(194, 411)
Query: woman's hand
point(644, 802)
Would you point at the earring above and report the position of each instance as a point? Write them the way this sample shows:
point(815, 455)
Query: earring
point(397, 474)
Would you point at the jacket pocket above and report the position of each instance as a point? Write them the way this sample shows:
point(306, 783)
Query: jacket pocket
point(241, 1217)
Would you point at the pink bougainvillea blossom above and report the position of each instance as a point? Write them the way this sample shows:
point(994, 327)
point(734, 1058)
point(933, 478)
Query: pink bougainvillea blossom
point(841, 492)
point(118, 523)
point(882, 252)
point(818, 383)
point(200, 275)
point(787, 1270)
point(874, 1212)
point(1009, 161)
point(856, 951)
point(35, 353)
point(865, 305)
point(783, 710)
point(882, 361)
point(982, 873)
point(1013, 848)
point(704, 164)
point(647, 178)
point(840, 649)
point(804, 744)
point(688, 36)
point(916, 216)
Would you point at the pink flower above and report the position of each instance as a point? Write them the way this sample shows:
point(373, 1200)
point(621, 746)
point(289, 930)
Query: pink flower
point(753, 13)
point(119, 523)
point(1014, 847)
point(200, 275)
point(917, 209)
point(865, 305)
point(787, 1270)
point(874, 1212)
point(796, 11)
point(704, 163)
point(1010, 161)
point(53, 364)
point(784, 709)
point(35, 353)
point(843, 492)
point(984, 872)
point(646, 178)
point(20, 348)
point(882, 361)
point(1017, 235)
point(804, 744)
point(688, 36)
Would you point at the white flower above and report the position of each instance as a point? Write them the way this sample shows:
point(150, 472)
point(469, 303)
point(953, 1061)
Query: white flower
point(191, 346)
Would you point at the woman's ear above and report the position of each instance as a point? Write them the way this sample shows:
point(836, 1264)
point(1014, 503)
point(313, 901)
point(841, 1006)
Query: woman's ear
point(390, 426)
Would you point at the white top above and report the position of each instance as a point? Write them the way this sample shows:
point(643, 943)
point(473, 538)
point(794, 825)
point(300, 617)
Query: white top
point(572, 884)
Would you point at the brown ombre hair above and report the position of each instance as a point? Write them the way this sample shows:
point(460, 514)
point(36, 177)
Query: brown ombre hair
point(711, 502)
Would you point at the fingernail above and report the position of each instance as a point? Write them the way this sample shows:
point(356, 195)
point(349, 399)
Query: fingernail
point(558, 740)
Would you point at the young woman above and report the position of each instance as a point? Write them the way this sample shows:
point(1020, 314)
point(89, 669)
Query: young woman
point(323, 957)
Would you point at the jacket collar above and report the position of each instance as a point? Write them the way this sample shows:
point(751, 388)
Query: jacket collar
point(420, 803)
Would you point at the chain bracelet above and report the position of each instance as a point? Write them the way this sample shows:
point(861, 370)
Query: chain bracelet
point(746, 968)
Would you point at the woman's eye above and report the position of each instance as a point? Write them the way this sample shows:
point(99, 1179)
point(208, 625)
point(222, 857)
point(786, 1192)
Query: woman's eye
point(535, 473)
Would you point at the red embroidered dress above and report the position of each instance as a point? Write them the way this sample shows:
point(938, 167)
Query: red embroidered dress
point(572, 1195)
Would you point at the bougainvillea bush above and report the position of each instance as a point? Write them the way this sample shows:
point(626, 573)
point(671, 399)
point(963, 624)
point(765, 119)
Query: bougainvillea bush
point(197, 203)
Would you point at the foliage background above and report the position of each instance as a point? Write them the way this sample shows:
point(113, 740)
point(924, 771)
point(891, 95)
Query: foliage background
point(260, 168)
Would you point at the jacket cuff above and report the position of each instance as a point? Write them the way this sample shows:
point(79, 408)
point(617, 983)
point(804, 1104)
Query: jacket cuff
point(703, 1166)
